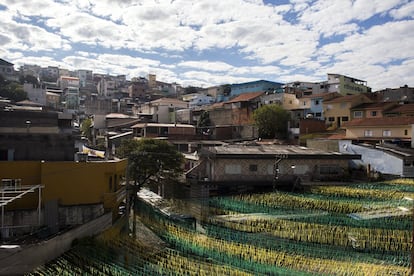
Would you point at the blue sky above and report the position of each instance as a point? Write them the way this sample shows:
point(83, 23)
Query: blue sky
point(212, 42)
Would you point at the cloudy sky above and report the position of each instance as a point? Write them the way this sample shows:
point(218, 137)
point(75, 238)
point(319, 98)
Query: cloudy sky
point(211, 42)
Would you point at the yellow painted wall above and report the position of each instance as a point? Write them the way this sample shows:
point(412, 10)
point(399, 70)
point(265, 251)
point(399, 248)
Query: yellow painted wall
point(342, 109)
point(377, 132)
point(71, 183)
point(291, 102)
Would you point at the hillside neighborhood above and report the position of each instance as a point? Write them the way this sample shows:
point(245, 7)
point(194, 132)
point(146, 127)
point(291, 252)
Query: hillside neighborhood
point(340, 108)
point(60, 131)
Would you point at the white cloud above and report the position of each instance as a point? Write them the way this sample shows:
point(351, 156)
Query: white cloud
point(335, 17)
point(406, 10)
point(24, 36)
point(247, 40)
point(380, 44)
point(41, 61)
point(206, 65)
point(205, 79)
point(37, 8)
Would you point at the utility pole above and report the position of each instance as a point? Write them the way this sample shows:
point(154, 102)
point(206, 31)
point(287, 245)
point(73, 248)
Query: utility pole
point(278, 159)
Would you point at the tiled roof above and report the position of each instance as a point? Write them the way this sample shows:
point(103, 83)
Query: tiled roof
point(384, 121)
point(347, 98)
point(216, 105)
point(381, 105)
point(245, 97)
point(325, 96)
point(403, 108)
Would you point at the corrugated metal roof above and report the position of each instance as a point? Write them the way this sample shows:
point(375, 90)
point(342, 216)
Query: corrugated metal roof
point(142, 125)
point(118, 116)
point(273, 151)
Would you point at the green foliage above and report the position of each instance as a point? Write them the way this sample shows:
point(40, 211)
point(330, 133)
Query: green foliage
point(28, 79)
point(12, 90)
point(151, 160)
point(86, 128)
point(226, 89)
point(190, 90)
point(272, 121)
point(203, 122)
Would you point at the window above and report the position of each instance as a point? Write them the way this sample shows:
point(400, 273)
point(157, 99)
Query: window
point(368, 133)
point(331, 119)
point(373, 113)
point(232, 169)
point(253, 167)
point(318, 114)
point(357, 114)
point(344, 119)
point(405, 132)
point(343, 105)
point(386, 133)
point(316, 102)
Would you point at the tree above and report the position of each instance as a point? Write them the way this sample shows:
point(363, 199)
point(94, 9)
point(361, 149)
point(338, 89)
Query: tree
point(226, 89)
point(272, 121)
point(190, 90)
point(86, 128)
point(12, 90)
point(204, 122)
point(28, 79)
point(149, 161)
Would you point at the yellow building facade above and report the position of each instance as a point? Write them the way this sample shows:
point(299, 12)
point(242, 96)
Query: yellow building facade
point(338, 110)
point(68, 183)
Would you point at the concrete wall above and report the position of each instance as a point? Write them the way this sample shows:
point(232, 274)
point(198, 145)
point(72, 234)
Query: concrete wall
point(323, 144)
point(241, 169)
point(20, 260)
point(219, 117)
point(379, 161)
point(27, 220)
point(412, 136)
point(51, 147)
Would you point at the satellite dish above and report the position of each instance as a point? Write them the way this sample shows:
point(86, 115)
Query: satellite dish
point(309, 116)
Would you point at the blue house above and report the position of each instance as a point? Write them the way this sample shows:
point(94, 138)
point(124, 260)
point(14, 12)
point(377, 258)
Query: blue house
point(256, 86)
point(313, 104)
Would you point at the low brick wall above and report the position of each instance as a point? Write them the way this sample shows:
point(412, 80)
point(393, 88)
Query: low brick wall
point(17, 261)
